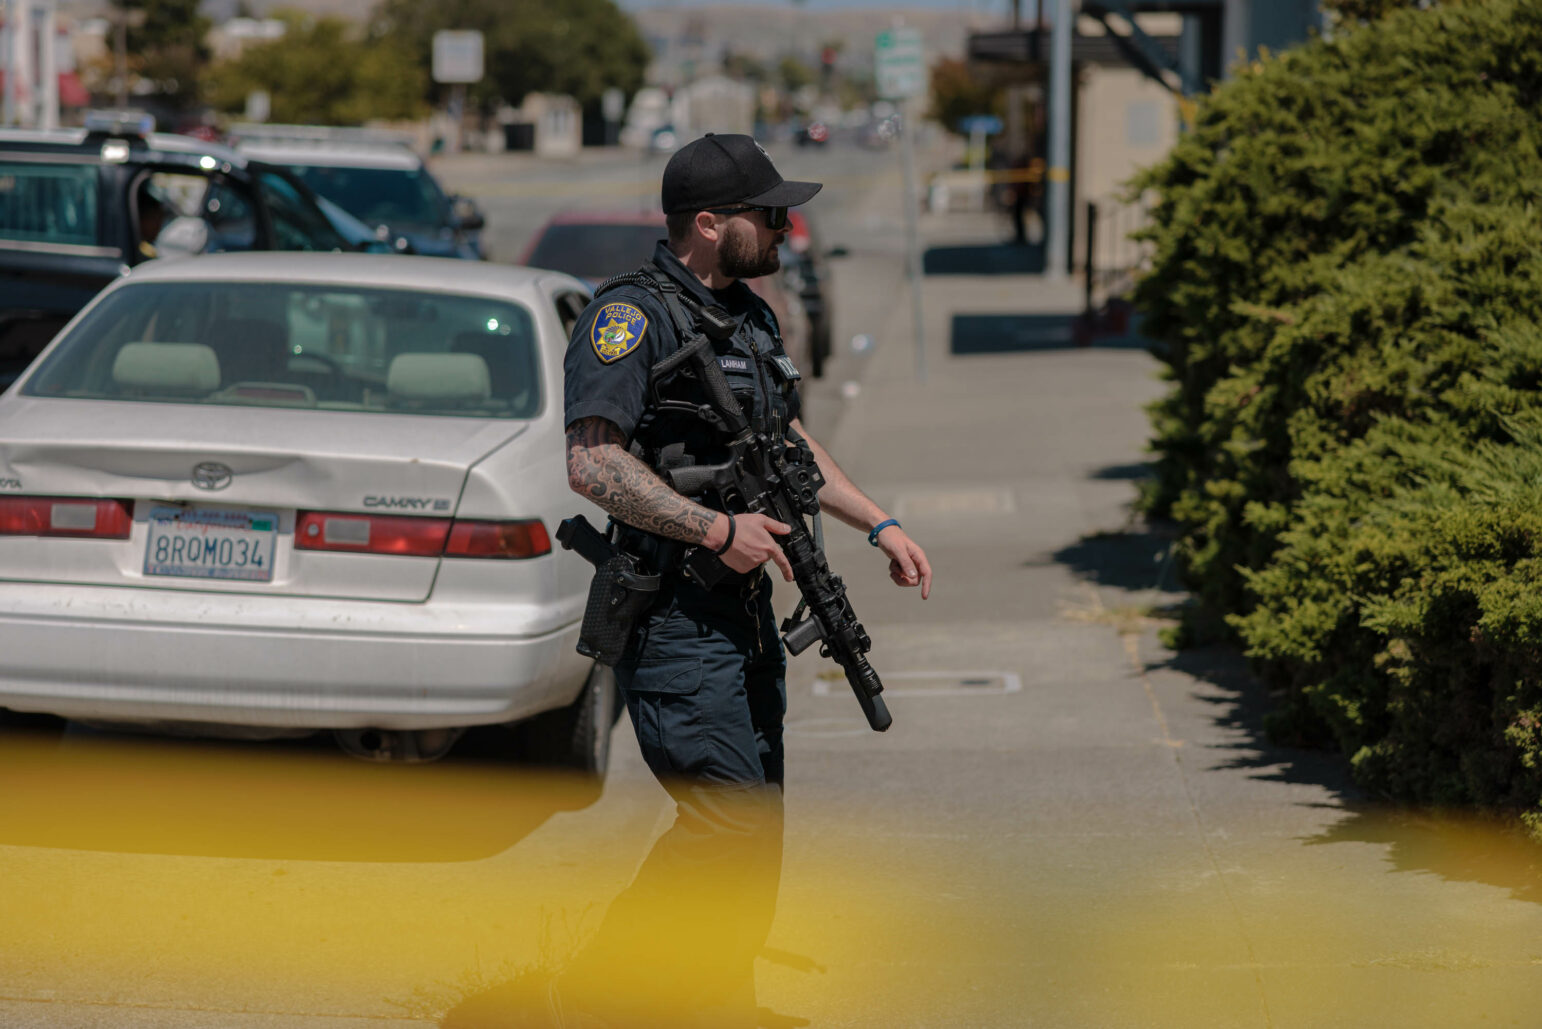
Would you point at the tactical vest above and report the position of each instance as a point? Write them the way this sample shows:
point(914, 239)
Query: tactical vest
point(673, 431)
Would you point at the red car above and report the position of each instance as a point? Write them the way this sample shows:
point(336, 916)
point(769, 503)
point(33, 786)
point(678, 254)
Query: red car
point(594, 245)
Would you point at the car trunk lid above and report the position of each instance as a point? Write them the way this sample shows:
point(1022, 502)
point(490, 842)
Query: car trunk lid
point(238, 474)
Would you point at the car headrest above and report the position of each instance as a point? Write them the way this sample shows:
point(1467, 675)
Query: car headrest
point(167, 366)
point(438, 377)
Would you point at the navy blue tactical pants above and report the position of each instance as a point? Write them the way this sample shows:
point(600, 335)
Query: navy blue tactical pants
point(705, 683)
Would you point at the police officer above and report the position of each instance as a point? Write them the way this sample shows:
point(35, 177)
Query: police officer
point(703, 677)
point(704, 673)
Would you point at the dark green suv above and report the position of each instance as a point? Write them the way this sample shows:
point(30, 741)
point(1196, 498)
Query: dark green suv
point(80, 207)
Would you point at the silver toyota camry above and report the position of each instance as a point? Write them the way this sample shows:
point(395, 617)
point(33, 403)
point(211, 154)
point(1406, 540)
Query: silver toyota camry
point(268, 494)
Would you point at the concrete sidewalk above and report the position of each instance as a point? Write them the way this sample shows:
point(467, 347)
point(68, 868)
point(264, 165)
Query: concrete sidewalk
point(1070, 825)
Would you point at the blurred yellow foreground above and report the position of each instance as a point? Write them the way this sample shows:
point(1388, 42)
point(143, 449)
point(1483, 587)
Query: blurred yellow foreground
point(192, 880)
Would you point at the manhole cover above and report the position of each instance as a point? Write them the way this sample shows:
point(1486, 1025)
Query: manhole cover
point(931, 684)
point(827, 728)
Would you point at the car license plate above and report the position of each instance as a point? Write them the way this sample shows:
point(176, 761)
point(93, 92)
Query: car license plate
point(211, 543)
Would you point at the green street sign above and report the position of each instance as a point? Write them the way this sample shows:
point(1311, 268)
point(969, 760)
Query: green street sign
point(899, 64)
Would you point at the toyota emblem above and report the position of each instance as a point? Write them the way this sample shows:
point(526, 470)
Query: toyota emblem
point(212, 475)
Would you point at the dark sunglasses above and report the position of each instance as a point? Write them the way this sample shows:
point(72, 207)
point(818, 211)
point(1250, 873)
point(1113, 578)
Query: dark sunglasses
point(776, 217)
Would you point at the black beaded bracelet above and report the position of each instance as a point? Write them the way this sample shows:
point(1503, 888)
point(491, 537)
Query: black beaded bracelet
point(720, 551)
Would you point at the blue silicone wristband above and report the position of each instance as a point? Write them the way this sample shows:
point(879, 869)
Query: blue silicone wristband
point(872, 537)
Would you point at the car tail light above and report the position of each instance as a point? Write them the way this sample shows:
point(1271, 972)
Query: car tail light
point(498, 539)
point(408, 536)
point(65, 516)
point(371, 534)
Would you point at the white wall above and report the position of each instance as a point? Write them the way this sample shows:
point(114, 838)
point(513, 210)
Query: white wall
point(1125, 122)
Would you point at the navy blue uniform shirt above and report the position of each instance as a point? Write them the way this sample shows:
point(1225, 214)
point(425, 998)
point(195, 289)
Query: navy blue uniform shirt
point(626, 331)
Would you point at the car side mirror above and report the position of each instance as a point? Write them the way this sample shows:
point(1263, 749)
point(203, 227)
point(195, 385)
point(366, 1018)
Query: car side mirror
point(468, 215)
point(837, 252)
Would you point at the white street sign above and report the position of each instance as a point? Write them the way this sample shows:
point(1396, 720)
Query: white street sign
point(899, 64)
point(259, 105)
point(457, 56)
point(613, 104)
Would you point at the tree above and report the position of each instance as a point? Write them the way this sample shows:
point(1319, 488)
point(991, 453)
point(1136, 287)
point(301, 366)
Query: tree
point(1345, 281)
point(958, 92)
point(322, 73)
point(168, 48)
point(794, 74)
point(578, 47)
point(1352, 11)
point(743, 67)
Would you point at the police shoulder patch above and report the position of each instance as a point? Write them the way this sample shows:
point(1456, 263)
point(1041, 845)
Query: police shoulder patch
point(617, 331)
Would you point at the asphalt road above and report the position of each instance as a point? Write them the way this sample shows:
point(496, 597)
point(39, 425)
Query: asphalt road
point(1067, 825)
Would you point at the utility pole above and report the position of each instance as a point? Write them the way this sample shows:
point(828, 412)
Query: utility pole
point(22, 68)
point(908, 109)
point(10, 61)
point(899, 71)
point(48, 60)
point(121, 52)
point(1058, 195)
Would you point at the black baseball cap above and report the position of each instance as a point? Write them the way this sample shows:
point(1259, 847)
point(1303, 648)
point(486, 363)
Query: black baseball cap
point(730, 168)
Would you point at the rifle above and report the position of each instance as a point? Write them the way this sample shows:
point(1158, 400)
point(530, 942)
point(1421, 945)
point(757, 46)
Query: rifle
point(781, 482)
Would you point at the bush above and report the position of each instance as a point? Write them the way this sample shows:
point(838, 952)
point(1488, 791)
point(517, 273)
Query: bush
point(1348, 283)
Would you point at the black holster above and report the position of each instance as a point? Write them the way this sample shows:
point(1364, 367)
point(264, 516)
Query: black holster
point(618, 594)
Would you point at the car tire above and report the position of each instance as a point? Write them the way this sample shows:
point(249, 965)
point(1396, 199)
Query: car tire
point(576, 737)
point(36, 725)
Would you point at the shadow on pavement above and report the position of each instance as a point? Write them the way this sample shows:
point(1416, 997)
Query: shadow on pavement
point(1453, 845)
point(1011, 333)
point(1135, 560)
point(986, 259)
point(1456, 846)
point(293, 800)
point(1132, 471)
point(1018, 333)
point(1240, 703)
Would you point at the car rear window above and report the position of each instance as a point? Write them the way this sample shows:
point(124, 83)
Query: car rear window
point(48, 203)
point(595, 251)
point(339, 348)
point(297, 224)
point(390, 196)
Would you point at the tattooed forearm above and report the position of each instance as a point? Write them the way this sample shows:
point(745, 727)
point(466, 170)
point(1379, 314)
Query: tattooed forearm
point(600, 468)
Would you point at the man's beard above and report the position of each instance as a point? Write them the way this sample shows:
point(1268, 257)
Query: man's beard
point(738, 258)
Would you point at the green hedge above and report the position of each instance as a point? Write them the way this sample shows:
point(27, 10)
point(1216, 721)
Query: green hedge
point(1347, 284)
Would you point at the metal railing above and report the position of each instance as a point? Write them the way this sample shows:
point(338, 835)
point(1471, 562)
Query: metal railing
point(1113, 259)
